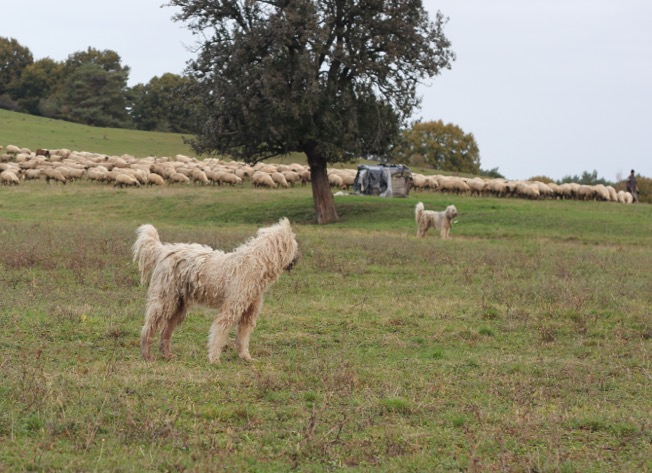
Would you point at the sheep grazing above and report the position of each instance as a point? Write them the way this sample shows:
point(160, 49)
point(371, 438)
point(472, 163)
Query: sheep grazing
point(279, 179)
point(32, 174)
point(12, 149)
point(178, 178)
point(335, 180)
point(261, 179)
point(51, 174)
point(228, 178)
point(8, 178)
point(291, 177)
point(155, 179)
point(197, 175)
point(122, 180)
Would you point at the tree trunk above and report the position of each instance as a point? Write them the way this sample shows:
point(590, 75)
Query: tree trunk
point(321, 189)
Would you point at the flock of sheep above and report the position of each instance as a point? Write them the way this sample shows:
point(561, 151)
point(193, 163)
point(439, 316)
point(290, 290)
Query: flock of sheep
point(63, 166)
point(522, 189)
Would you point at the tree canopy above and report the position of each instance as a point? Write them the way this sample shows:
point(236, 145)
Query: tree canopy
point(90, 87)
point(162, 104)
point(14, 58)
point(334, 79)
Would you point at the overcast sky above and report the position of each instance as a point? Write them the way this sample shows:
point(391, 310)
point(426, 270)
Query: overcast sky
point(547, 87)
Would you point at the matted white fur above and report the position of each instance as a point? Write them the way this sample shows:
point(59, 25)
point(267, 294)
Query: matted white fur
point(439, 220)
point(181, 274)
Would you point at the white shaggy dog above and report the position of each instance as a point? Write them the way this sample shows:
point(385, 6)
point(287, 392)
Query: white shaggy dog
point(439, 220)
point(181, 274)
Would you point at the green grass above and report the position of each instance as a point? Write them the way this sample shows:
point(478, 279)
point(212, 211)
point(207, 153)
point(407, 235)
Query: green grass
point(521, 344)
point(37, 132)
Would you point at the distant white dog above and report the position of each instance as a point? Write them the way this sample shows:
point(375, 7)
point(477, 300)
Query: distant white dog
point(439, 220)
point(234, 282)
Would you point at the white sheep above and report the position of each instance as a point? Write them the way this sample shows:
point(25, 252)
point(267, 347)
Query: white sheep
point(32, 174)
point(53, 174)
point(155, 179)
point(122, 180)
point(197, 175)
point(291, 177)
point(261, 179)
point(8, 178)
point(231, 179)
point(178, 178)
point(279, 179)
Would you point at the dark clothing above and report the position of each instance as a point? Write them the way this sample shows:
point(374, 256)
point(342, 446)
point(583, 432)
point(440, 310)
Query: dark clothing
point(632, 188)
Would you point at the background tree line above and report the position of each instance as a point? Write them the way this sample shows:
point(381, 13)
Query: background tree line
point(90, 87)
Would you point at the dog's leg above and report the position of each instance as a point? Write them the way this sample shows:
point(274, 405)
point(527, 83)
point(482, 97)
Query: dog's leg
point(166, 333)
point(217, 338)
point(445, 228)
point(245, 327)
point(146, 335)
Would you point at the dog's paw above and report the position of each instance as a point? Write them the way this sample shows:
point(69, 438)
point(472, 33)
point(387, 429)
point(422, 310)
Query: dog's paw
point(247, 357)
point(169, 356)
point(214, 360)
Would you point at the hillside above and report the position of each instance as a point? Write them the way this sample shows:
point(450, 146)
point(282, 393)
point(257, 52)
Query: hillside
point(37, 132)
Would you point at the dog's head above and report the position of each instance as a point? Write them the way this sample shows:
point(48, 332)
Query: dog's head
point(294, 262)
point(451, 212)
point(290, 251)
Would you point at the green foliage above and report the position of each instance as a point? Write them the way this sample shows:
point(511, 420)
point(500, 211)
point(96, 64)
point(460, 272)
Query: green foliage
point(163, 104)
point(310, 76)
point(445, 147)
point(493, 173)
point(544, 179)
point(37, 83)
point(332, 80)
point(94, 89)
point(588, 178)
point(14, 58)
point(521, 344)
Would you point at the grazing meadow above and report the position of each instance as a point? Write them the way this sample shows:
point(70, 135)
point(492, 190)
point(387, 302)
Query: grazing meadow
point(523, 343)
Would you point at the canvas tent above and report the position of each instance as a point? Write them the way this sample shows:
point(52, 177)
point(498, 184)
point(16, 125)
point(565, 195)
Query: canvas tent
point(391, 180)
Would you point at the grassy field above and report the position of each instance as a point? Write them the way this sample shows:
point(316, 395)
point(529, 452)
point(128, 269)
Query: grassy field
point(33, 132)
point(522, 344)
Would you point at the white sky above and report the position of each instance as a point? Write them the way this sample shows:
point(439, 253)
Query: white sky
point(547, 87)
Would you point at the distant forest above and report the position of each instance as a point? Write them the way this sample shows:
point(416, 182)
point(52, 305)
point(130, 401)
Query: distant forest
point(90, 87)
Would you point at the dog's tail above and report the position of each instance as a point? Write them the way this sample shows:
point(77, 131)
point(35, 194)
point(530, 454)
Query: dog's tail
point(146, 250)
point(418, 211)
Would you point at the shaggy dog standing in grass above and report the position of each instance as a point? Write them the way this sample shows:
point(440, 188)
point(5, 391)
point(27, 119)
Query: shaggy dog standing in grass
point(181, 274)
point(439, 220)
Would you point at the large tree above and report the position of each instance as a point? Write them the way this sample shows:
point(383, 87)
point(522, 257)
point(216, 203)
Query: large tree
point(94, 91)
point(334, 79)
point(14, 58)
point(443, 146)
point(37, 83)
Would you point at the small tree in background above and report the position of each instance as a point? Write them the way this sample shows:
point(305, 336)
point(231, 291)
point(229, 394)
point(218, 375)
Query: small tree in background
point(444, 147)
point(588, 178)
point(162, 104)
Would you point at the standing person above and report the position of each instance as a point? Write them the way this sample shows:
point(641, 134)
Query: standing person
point(632, 188)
